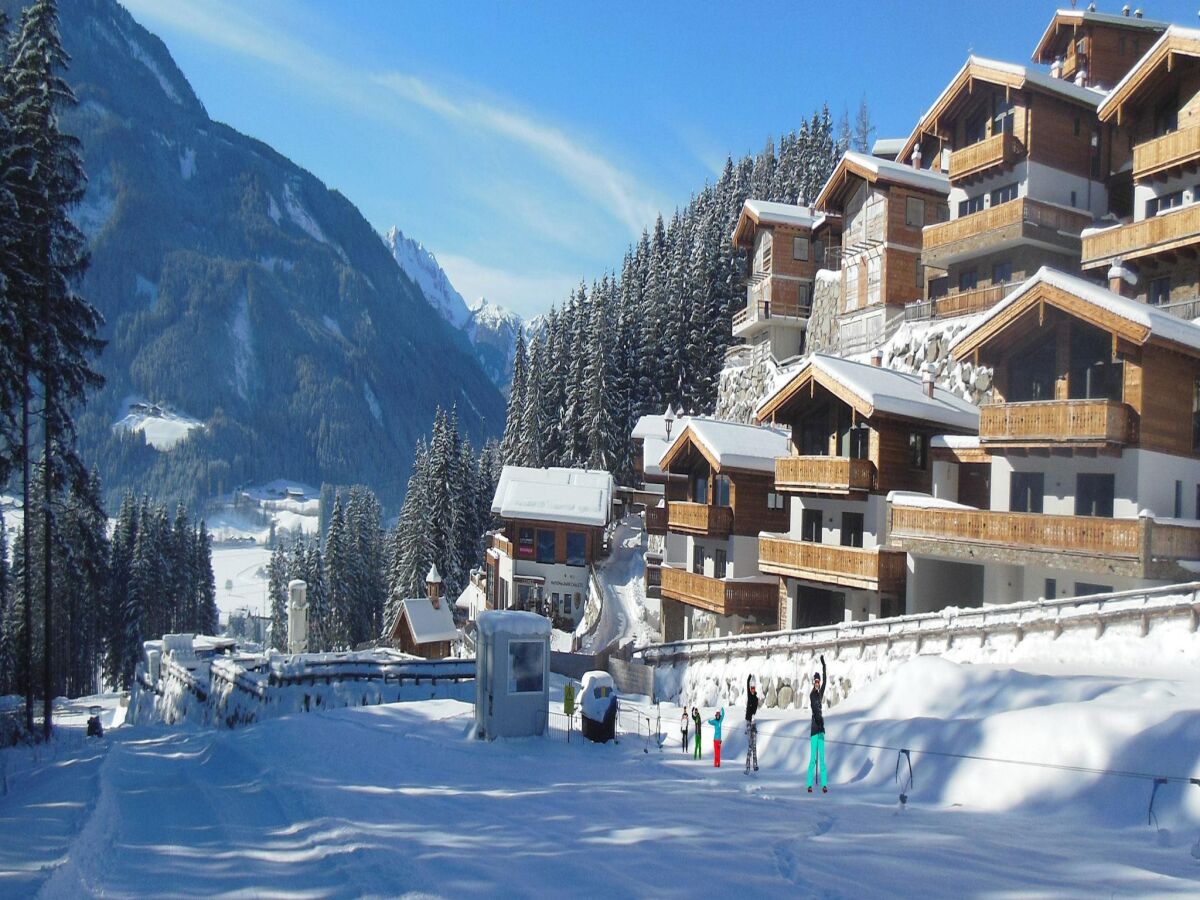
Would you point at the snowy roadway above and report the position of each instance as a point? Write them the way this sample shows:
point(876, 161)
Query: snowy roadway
point(623, 579)
point(399, 799)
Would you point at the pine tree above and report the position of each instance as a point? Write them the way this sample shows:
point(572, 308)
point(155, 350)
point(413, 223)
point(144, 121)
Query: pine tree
point(277, 591)
point(863, 127)
point(208, 616)
point(338, 562)
point(510, 446)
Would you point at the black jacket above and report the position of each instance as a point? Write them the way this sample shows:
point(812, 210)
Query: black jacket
point(751, 700)
point(815, 698)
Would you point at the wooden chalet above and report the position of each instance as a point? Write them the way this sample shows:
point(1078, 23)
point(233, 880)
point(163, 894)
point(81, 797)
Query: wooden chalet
point(857, 431)
point(1094, 49)
point(1094, 475)
point(424, 626)
point(1157, 106)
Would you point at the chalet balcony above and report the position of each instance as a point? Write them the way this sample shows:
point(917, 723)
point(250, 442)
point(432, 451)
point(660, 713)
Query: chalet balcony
point(1139, 548)
point(656, 519)
point(959, 303)
point(723, 596)
point(875, 569)
point(501, 544)
point(1171, 154)
point(998, 151)
point(769, 297)
point(1049, 423)
point(824, 474)
point(700, 518)
point(653, 575)
point(1018, 221)
point(1165, 233)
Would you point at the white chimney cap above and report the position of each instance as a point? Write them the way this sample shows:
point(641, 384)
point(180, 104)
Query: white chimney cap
point(1119, 270)
point(433, 577)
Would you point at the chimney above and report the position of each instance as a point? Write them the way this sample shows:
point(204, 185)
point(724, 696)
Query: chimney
point(877, 357)
point(433, 587)
point(1121, 279)
point(1137, 13)
point(927, 383)
point(916, 157)
point(1125, 10)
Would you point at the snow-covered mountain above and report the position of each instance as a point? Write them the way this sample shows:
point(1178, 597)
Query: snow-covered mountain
point(491, 329)
point(422, 267)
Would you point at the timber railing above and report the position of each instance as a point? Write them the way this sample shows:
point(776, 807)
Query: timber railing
point(1057, 421)
point(1169, 151)
point(1021, 211)
point(1163, 233)
point(998, 150)
point(699, 518)
point(722, 596)
point(832, 473)
point(872, 569)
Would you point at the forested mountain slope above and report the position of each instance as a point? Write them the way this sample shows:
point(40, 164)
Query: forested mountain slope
point(241, 292)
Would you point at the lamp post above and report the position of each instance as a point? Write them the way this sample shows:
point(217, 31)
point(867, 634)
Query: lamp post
point(669, 420)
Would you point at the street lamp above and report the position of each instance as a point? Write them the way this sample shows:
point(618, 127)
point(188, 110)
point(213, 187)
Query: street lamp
point(669, 420)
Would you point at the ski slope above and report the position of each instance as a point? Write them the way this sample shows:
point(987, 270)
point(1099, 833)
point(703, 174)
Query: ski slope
point(400, 799)
point(625, 613)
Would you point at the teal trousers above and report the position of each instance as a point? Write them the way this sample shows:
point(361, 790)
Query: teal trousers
point(816, 745)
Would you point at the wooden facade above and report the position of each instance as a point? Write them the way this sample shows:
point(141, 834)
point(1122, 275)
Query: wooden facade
point(1094, 48)
point(511, 533)
point(1148, 381)
point(722, 596)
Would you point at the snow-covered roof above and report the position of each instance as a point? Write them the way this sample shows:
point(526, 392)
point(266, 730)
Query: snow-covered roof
point(513, 621)
point(571, 496)
point(471, 597)
point(429, 623)
point(889, 391)
point(736, 445)
point(923, 501)
point(900, 173)
point(887, 147)
point(433, 577)
point(1157, 323)
point(784, 213)
point(1175, 34)
point(652, 432)
point(955, 441)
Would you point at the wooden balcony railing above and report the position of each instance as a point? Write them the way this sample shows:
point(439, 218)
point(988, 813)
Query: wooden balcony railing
point(721, 596)
point(1088, 535)
point(656, 519)
point(1174, 150)
point(502, 544)
point(960, 303)
point(653, 576)
point(998, 150)
point(1023, 213)
point(700, 518)
point(875, 569)
point(836, 474)
point(1057, 422)
point(1163, 233)
point(767, 298)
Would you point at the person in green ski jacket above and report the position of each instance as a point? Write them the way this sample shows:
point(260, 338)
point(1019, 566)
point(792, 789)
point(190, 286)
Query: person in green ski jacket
point(696, 721)
point(715, 722)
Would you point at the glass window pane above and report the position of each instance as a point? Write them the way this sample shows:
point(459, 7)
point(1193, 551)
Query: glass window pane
point(576, 548)
point(526, 667)
point(545, 546)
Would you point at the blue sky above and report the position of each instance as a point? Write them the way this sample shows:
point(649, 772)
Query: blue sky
point(528, 143)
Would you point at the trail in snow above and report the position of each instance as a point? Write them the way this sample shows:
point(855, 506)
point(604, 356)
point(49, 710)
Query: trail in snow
point(624, 615)
point(397, 799)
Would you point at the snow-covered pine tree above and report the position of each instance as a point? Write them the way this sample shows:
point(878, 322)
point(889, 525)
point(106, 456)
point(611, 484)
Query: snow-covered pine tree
point(533, 423)
point(116, 624)
point(338, 562)
point(510, 445)
point(598, 423)
point(319, 624)
point(207, 614)
point(277, 593)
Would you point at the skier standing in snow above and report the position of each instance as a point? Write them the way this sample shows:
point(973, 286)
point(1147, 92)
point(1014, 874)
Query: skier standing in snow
point(715, 722)
point(696, 722)
point(816, 739)
point(684, 721)
point(751, 725)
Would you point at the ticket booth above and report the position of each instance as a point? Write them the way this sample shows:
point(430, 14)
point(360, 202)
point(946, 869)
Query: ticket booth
point(512, 674)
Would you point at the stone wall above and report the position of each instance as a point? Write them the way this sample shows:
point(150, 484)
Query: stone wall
point(919, 347)
point(822, 334)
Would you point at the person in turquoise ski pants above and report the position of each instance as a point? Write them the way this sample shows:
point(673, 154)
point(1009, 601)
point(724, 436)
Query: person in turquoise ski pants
point(816, 739)
point(715, 722)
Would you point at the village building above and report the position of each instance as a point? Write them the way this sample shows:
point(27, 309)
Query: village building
point(785, 246)
point(883, 206)
point(425, 626)
point(651, 436)
point(711, 583)
point(1154, 253)
point(1027, 165)
point(1094, 49)
point(857, 431)
point(1090, 449)
point(552, 532)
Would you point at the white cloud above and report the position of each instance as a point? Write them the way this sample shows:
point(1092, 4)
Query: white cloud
point(524, 293)
point(618, 193)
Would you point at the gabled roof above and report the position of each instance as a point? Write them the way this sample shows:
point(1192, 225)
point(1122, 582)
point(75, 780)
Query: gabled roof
point(767, 212)
point(571, 496)
point(1072, 18)
point(427, 623)
point(875, 169)
point(875, 390)
point(652, 432)
point(993, 71)
point(730, 445)
point(1175, 39)
point(1132, 320)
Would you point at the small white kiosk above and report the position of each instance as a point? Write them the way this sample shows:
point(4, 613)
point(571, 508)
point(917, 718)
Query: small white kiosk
point(512, 674)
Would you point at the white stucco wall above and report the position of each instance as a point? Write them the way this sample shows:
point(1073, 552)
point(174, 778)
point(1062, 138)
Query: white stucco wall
point(1143, 192)
point(831, 508)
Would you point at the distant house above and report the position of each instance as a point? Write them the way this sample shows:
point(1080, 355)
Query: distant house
point(552, 532)
point(424, 626)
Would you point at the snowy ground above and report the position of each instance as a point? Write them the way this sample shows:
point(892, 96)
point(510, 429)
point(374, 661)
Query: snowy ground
point(626, 614)
point(241, 578)
point(400, 799)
